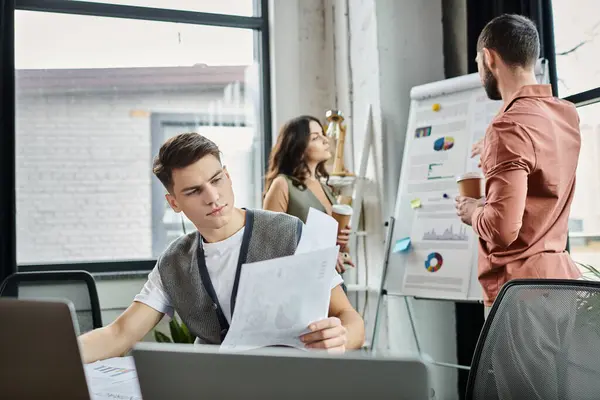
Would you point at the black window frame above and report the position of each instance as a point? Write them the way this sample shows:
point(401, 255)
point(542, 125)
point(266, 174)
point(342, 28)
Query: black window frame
point(586, 98)
point(258, 23)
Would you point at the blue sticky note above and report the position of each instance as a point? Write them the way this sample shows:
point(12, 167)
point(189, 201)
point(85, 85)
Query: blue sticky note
point(402, 245)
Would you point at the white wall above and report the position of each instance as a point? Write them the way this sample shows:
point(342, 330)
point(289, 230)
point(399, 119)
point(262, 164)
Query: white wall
point(302, 60)
point(410, 45)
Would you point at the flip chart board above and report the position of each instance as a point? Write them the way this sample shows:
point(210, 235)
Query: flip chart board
point(446, 118)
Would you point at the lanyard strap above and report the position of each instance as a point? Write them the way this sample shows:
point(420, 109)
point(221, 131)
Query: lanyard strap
point(242, 257)
point(206, 282)
point(205, 276)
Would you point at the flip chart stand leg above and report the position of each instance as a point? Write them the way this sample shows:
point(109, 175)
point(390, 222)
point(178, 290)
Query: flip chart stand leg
point(382, 292)
point(412, 325)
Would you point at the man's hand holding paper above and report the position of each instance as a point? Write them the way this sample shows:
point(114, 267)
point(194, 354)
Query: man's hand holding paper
point(328, 334)
point(285, 301)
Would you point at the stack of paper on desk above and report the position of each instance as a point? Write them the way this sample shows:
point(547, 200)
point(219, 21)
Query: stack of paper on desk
point(115, 378)
point(279, 298)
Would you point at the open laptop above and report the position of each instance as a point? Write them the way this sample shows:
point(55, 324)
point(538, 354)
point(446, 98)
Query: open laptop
point(39, 352)
point(168, 371)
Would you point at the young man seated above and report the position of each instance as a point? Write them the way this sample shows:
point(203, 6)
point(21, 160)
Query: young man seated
point(197, 274)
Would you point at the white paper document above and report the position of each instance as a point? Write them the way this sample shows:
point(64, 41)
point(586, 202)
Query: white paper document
point(115, 378)
point(319, 232)
point(278, 299)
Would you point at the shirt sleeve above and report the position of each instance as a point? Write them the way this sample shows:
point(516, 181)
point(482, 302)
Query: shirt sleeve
point(337, 280)
point(153, 294)
point(277, 197)
point(508, 159)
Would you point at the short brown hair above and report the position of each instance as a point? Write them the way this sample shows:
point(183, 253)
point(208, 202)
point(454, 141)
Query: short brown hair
point(514, 37)
point(181, 151)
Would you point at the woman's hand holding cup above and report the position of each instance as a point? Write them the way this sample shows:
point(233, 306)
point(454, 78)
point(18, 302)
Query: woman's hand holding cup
point(342, 214)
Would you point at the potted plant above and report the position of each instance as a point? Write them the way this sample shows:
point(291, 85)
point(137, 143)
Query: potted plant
point(589, 272)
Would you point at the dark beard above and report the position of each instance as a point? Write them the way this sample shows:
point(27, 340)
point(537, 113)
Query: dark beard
point(490, 84)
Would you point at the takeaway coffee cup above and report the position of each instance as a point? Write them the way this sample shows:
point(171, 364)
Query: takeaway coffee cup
point(341, 213)
point(470, 184)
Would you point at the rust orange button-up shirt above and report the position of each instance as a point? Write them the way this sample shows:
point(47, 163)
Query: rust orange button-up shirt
point(529, 159)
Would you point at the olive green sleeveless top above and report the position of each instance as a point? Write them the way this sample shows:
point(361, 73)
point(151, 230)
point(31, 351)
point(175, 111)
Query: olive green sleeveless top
point(302, 199)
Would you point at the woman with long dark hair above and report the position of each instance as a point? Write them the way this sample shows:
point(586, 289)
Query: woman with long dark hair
point(296, 169)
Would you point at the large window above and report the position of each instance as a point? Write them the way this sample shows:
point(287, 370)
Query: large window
point(577, 42)
point(577, 38)
point(584, 225)
point(95, 98)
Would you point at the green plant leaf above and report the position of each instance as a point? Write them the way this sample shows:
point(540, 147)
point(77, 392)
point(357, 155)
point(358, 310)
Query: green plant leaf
point(593, 270)
point(590, 268)
point(175, 330)
point(186, 335)
point(161, 337)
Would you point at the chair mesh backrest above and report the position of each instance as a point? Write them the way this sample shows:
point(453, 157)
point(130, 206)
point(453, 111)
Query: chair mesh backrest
point(75, 292)
point(543, 342)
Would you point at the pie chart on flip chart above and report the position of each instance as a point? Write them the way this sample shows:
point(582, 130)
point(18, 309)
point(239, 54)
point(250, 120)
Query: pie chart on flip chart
point(434, 262)
point(443, 143)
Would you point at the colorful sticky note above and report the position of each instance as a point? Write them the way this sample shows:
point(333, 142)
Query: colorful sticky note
point(416, 203)
point(436, 107)
point(402, 245)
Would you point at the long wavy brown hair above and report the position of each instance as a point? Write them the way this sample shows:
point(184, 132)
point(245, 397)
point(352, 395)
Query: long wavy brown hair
point(287, 157)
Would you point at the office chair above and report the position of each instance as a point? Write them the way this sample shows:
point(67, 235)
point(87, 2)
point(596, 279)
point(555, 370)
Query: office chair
point(78, 287)
point(541, 341)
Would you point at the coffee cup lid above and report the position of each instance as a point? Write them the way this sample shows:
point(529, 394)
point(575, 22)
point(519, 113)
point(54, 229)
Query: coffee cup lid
point(342, 209)
point(469, 175)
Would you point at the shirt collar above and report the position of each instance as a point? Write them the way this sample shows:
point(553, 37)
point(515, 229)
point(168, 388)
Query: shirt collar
point(219, 248)
point(529, 91)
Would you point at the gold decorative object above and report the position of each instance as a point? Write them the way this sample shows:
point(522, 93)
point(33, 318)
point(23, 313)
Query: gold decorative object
point(336, 131)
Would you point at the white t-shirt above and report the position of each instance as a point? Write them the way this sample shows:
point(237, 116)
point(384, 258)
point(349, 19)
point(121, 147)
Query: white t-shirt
point(221, 262)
